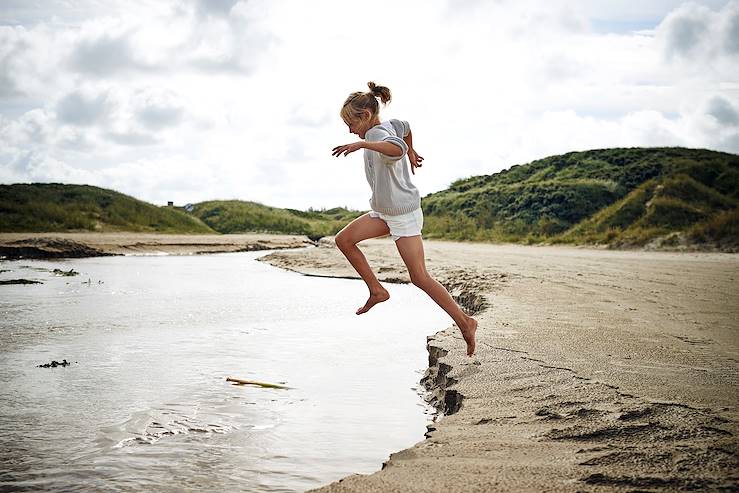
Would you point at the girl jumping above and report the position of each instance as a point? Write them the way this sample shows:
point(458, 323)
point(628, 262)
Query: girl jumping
point(395, 203)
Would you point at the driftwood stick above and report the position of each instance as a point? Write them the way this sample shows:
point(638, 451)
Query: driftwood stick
point(240, 381)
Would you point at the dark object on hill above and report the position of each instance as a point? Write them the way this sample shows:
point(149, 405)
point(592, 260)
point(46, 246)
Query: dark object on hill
point(54, 364)
point(48, 248)
point(19, 281)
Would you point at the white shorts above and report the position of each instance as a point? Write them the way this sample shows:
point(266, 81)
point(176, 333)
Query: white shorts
point(409, 224)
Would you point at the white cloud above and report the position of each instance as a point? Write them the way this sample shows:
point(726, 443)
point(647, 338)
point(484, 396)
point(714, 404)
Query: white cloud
point(104, 54)
point(80, 108)
point(214, 7)
point(723, 111)
point(696, 32)
point(190, 101)
point(157, 109)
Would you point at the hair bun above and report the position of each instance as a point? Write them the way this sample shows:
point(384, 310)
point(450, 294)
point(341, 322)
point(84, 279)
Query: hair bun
point(381, 92)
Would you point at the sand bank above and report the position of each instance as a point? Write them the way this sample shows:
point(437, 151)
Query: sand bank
point(58, 245)
point(596, 370)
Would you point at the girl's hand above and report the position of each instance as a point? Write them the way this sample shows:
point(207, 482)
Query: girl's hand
point(347, 148)
point(415, 159)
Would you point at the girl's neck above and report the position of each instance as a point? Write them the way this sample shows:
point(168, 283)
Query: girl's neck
point(373, 122)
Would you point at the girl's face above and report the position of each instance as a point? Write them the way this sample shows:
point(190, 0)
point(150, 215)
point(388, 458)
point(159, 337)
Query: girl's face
point(359, 127)
point(356, 127)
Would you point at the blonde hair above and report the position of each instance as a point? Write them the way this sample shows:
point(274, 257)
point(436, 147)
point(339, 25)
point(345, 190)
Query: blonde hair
point(358, 103)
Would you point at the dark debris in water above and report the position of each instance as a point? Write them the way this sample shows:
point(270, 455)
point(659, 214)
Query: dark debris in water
point(68, 273)
point(55, 363)
point(19, 281)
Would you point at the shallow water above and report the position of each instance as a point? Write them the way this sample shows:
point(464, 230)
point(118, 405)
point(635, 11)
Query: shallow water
point(145, 404)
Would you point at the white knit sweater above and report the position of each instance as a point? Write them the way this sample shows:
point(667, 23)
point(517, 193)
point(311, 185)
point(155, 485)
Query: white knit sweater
point(388, 176)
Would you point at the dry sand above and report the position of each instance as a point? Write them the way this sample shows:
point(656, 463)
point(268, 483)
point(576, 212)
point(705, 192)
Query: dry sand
point(596, 370)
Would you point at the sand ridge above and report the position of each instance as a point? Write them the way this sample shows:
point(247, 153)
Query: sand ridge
point(57, 245)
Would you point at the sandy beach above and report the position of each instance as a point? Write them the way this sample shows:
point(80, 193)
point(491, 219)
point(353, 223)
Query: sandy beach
point(596, 370)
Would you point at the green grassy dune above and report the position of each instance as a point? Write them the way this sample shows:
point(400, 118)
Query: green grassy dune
point(621, 197)
point(56, 207)
point(236, 216)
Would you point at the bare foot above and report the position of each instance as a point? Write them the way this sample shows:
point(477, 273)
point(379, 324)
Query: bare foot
point(468, 333)
point(374, 299)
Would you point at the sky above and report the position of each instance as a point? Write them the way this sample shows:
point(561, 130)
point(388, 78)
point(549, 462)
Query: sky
point(197, 100)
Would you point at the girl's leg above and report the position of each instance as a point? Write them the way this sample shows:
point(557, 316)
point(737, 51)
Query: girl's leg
point(363, 228)
point(411, 250)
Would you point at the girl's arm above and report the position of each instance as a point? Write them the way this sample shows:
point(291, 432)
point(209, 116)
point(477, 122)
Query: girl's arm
point(386, 148)
point(413, 157)
point(409, 139)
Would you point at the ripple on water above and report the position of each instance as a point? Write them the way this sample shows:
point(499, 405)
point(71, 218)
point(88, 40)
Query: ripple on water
point(150, 426)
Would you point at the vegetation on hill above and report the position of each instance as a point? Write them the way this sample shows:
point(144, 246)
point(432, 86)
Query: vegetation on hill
point(56, 207)
point(620, 197)
point(617, 196)
point(238, 216)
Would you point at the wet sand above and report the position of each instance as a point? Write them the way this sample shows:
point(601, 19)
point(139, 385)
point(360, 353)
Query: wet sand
point(595, 370)
point(43, 245)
